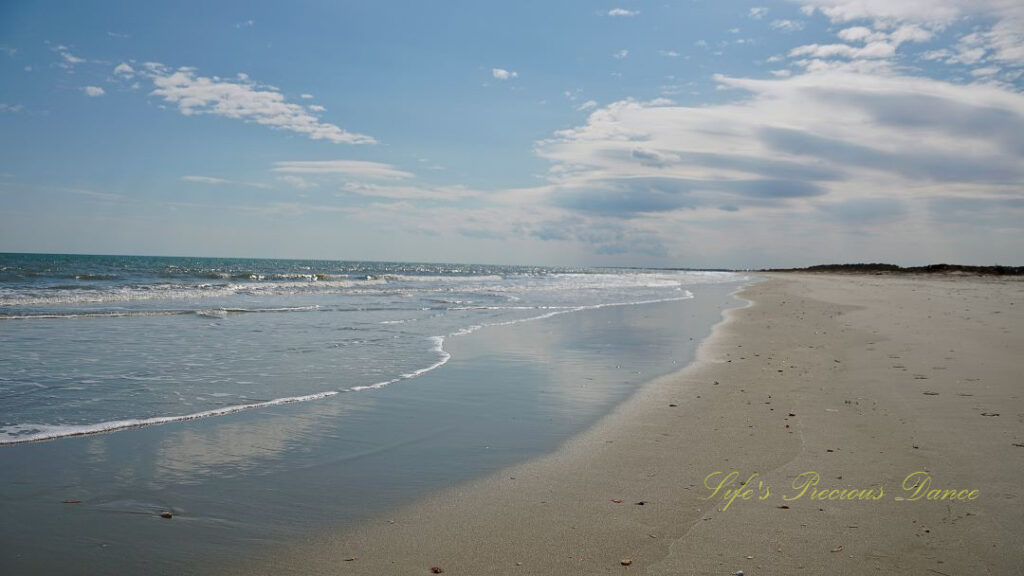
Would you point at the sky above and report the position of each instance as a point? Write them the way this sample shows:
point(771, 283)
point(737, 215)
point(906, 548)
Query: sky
point(677, 133)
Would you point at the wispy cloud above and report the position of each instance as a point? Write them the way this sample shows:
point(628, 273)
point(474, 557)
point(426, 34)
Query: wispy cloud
point(668, 53)
point(205, 179)
point(621, 54)
point(758, 12)
point(445, 193)
point(502, 74)
point(353, 168)
point(588, 105)
point(297, 182)
point(872, 50)
point(787, 25)
point(68, 60)
point(220, 181)
point(93, 91)
point(244, 100)
point(90, 193)
point(124, 70)
point(622, 12)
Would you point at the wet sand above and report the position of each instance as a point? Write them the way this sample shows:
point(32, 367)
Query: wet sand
point(861, 380)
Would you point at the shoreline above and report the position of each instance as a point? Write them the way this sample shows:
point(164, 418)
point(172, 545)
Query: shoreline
point(807, 382)
point(241, 483)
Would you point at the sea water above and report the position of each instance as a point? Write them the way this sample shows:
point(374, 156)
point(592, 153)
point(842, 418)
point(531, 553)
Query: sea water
point(262, 400)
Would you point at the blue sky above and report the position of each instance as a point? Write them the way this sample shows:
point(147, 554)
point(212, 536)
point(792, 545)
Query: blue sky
point(672, 133)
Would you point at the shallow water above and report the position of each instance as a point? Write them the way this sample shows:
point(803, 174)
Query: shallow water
point(240, 482)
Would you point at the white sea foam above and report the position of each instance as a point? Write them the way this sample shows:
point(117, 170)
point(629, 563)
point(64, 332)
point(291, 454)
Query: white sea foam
point(445, 356)
point(19, 433)
point(438, 348)
point(416, 278)
point(210, 313)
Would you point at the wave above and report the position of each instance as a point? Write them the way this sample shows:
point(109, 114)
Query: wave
point(223, 312)
point(438, 348)
point(555, 311)
point(85, 294)
point(290, 284)
point(37, 432)
point(105, 314)
point(210, 313)
point(424, 278)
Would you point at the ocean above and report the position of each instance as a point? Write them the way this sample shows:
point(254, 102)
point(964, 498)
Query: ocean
point(262, 400)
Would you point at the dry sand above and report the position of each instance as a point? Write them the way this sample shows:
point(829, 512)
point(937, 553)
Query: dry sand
point(862, 379)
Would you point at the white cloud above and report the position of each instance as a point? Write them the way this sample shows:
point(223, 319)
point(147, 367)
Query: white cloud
point(448, 193)
point(243, 100)
point(354, 168)
point(10, 108)
point(90, 193)
point(819, 155)
point(986, 71)
point(93, 91)
point(124, 70)
point(306, 96)
point(502, 74)
point(910, 33)
point(68, 60)
point(758, 12)
point(782, 73)
point(205, 179)
point(589, 104)
point(860, 34)
point(873, 50)
point(668, 53)
point(888, 10)
point(622, 12)
point(245, 24)
point(317, 108)
point(297, 182)
point(1002, 33)
point(935, 54)
point(787, 25)
point(215, 180)
point(621, 54)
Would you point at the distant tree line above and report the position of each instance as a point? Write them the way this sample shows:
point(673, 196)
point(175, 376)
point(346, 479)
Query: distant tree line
point(879, 268)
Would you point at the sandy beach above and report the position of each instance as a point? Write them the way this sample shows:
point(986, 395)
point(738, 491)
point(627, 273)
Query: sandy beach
point(832, 389)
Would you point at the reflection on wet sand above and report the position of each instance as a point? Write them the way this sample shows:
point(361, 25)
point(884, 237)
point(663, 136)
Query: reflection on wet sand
point(228, 449)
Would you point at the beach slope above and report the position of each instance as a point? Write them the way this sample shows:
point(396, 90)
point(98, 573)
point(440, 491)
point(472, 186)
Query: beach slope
point(843, 385)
